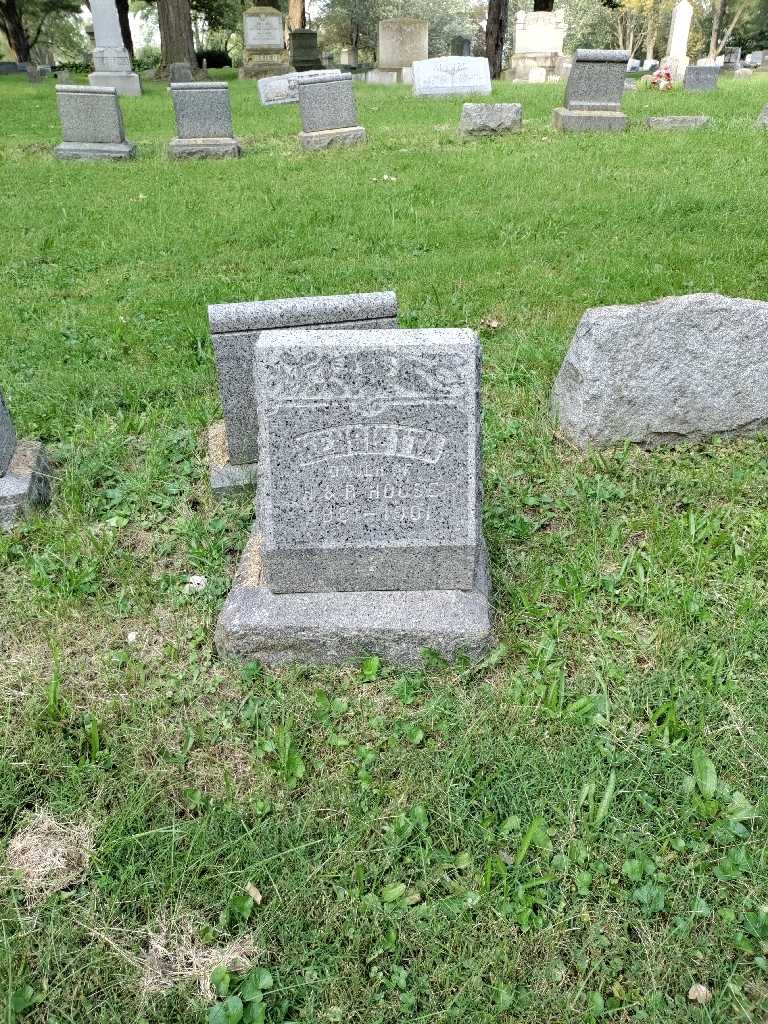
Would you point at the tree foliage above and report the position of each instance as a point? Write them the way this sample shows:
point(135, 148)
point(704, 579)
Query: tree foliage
point(23, 22)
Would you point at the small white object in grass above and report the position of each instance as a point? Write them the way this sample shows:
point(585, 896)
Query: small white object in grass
point(195, 584)
point(699, 994)
point(132, 637)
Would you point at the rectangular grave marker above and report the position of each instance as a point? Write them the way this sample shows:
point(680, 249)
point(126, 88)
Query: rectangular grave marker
point(368, 475)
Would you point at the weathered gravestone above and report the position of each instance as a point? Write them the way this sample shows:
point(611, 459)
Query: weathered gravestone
point(461, 46)
point(594, 93)
point(180, 72)
point(701, 77)
point(9, 67)
point(328, 114)
point(264, 43)
point(451, 76)
point(91, 124)
point(203, 121)
point(678, 122)
point(305, 55)
point(279, 89)
point(762, 120)
point(25, 479)
point(490, 119)
point(235, 329)
point(368, 537)
point(661, 373)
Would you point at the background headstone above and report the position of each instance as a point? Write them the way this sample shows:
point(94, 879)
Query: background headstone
point(676, 57)
point(762, 120)
point(661, 373)
point(461, 46)
point(348, 57)
point(264, 50)
point(701, 78)
point(180, 72)
point(111, 61)
point(203, 121)
point(401, 41)
point(328, 114)
point(305, 55)
point(451, 76)
point(594, 92)
point(91, 124)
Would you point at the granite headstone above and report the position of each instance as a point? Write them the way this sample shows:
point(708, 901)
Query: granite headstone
point(328, 114)
point(594, 92)
point(490, 118)
point(203, 121)
point(368, 536)
point(701, 77)
point(91, 124)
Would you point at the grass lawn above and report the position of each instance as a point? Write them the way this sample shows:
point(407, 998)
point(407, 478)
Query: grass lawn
point(574, 832)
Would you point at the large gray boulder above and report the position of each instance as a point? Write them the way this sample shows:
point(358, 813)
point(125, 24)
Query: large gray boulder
point(662, 373)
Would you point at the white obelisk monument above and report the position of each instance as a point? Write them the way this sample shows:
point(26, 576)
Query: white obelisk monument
point(111, 61)
point(677, 44)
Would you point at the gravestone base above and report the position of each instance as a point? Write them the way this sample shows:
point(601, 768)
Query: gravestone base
point(200, 149)
point(338, 628)
point(678, 123)
point(384, 76)
point(95, 150)
point(255, 68)
point(127, 83)
point(589, 120)
point(25, 484)
point(332, 137)
point(228, 480)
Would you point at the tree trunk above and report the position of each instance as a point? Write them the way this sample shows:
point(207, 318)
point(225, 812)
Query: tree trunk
point(718, 15)
point(650, 39)
point(297, 14)
point(495, 34)
point(125, 25)
point(176, 44)
point(13, 28)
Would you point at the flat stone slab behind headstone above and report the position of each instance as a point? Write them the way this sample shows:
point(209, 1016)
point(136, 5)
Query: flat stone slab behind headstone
point(678, 122)
point(7, 436)
point(451, 76)
point(369, 459)
point(341, 628)
point(25, 484)
point(681, 369)
point(490, 118)
point(235, 327)
point(279, 89)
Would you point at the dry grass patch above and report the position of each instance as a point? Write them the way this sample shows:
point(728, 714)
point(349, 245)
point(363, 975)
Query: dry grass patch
point(48, 856)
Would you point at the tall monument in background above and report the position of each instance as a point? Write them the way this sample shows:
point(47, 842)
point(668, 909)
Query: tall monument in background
point(111, 61)
point(676, 58)
point(537, 41)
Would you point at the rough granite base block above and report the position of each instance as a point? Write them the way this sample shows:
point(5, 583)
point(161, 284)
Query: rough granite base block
point(227, 479)
point(677, 122)
point(95, 150)
point(127, 83)
point(338, 628)
point(332, 137)
point(26, 484)
point(588, 120)
point(201, 149)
